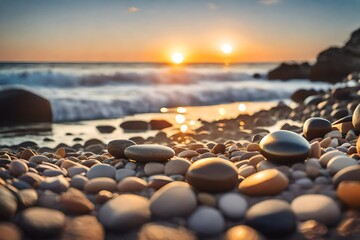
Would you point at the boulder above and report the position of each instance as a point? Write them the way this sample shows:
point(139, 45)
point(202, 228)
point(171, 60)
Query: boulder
point(335, 63)
point(20, 106)
point(287, 71)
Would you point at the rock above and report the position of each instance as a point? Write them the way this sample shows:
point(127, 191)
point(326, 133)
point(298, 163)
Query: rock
point(153, 168)
point(242, 232)
point(135, 125)
point(233, 205)
point(326, 157)
point(76, 170)
point(212, 175)
point(206, 221)
point(158, 181)
point(287, 71)
point(18, 167)
point(349, 193)
point(9, 231)
point(159, 124)
point(38, 159)
point(300, 95)
point(339, 162)
point(78, 182)
point(76, 202)
point(335, 63)
point(117, 147)
point(123, 173)
point(315, 151)
point(41, 222)
point(266, 182)
point(131, 184)
point(316, 127)
point(316, 207)
point(351, 173)
point(207, 199)
point(101, 170)
point(83, 227)
point(56, 184)
point(177, 166)
point(274, 218)
point(8, 204)
point(19, 106)
point(105, 128)
point(28, 197)
point(124, 212)
point(246, 171)
point(149, 153)
point(284, 147)
point(176, 199)
point(97, 184)
point(356, 118)
point(156, 231)
point(219, 148)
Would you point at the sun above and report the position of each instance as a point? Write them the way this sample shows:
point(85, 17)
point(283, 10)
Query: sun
point(177, 58)
point(226, 48)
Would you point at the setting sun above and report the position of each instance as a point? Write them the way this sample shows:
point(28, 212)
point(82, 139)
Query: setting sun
point(226, 48)
point(177, 58)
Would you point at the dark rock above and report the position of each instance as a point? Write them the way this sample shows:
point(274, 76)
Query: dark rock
point(336, 63)
point(8, 204)
point(287, 71)
point(316, 127)
point(212, 175)
point(284, 147)
point(256, 75)
point(149, 153)
point(22, 107)
point(105, 128)
point(135, 125)
point(300, 95)
point(273, 218)
point(117, 147)
point(159, 124)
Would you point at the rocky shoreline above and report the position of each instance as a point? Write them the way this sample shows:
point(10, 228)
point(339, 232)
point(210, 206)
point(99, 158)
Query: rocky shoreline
point(228, 179)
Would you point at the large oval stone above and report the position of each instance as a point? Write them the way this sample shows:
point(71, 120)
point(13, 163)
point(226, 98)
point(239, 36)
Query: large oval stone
point(316, 207)
point(273, 218)
point(349, 193)
point(206, 221)
point(266, 182)
point(117, 147)
point(351, 173)
point(316, 127)
point(356, 118)
point(149, 153)
point(124, 212)
point(284, 147)
point(176, 199)
point(212, 175)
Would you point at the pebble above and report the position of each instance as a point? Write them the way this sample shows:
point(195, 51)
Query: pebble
point(28, 197)
point(95, 185)
point(157, 231)
point(207, 199)
point(212, 175)
point(41, 222)
point(78, 181)
point(158, 181)
point(316, 127)
point(316, 207)
point(125, 212)
point(149, 153)
point(333, 134)
point(71, 172)
point(206, 221)
point(8, 204)
point(188, 154)
point(246, 171)
point(39, 159)
point(153, 168)
point(117, 147)
point(347, 173)
point(315, 151)
point(56, 184)
point(242, 232)
point(123, 173)
point(177, 166)
point(18, 167)
point(101, 170)
point(339, 162)
point(131, 184)
point(9, 231)
point(103, 196)
point(83, 227)
point(284, 147)
point(233, 205)
point(263, 183)
point(304, 183)
point(325, 158)
point(76, 202)
point(176, 199)
point(273, 218)
point(356, 118)
point(349, 193)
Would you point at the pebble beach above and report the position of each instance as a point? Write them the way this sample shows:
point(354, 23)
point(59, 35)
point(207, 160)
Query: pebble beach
point(231, 178)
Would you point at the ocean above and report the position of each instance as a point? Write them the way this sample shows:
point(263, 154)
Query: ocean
point(89, 91)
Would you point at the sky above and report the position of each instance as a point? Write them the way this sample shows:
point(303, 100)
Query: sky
point(152, 30)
